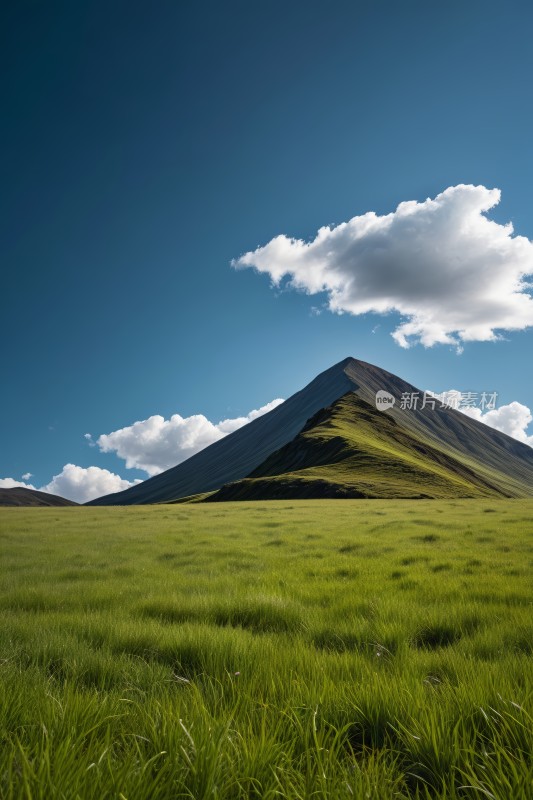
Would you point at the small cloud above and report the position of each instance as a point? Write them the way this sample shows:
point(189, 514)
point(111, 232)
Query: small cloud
point(375, 328)
point(27, 476)
point(11, 483)
point(82, 484)
point(89, 438)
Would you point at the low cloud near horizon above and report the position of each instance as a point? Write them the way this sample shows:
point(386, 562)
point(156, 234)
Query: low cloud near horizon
point(453, 274)
point(79, 484)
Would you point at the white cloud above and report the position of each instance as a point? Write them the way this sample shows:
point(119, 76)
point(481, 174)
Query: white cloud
point(156, 444)
point(27, 476)
point(512, 419)
point(455, 275)
point(11, 483)
point(82, 484)
point(88, 437)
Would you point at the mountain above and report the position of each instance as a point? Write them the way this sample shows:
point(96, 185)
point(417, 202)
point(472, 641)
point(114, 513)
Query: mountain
point(450, 453)
point(19, 496)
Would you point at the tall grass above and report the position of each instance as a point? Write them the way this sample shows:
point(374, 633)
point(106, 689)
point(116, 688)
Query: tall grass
point(317, 649)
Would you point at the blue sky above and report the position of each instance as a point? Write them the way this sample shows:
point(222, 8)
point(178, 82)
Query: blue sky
point(145, 147)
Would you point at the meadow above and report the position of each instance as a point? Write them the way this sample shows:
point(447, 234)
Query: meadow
point(306, 649)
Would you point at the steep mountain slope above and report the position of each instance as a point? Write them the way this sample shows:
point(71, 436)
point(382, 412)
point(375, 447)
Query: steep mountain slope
point(501, 464)
point(19, 496)
point(238, 454)
point(353, 450)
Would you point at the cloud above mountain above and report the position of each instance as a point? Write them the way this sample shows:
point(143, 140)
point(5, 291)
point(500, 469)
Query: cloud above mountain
point(13, 483)
point(156, 444)
point(453, 274)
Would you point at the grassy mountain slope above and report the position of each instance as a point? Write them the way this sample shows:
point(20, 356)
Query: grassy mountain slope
point(494, 454)
point(353, 450)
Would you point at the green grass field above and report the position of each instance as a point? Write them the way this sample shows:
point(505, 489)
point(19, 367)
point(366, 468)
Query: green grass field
point(307, 649)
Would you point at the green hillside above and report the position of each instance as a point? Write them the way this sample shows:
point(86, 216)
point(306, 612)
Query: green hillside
point(350, 449)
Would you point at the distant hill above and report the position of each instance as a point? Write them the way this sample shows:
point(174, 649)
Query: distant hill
point(442, 451)
point(19, 496)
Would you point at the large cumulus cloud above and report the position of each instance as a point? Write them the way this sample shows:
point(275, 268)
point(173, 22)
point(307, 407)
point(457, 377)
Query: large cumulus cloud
point(156, 444)
point(452, 273)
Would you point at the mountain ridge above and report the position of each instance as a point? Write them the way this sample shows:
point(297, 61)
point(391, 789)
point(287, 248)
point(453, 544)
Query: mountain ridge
point(497, 459)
